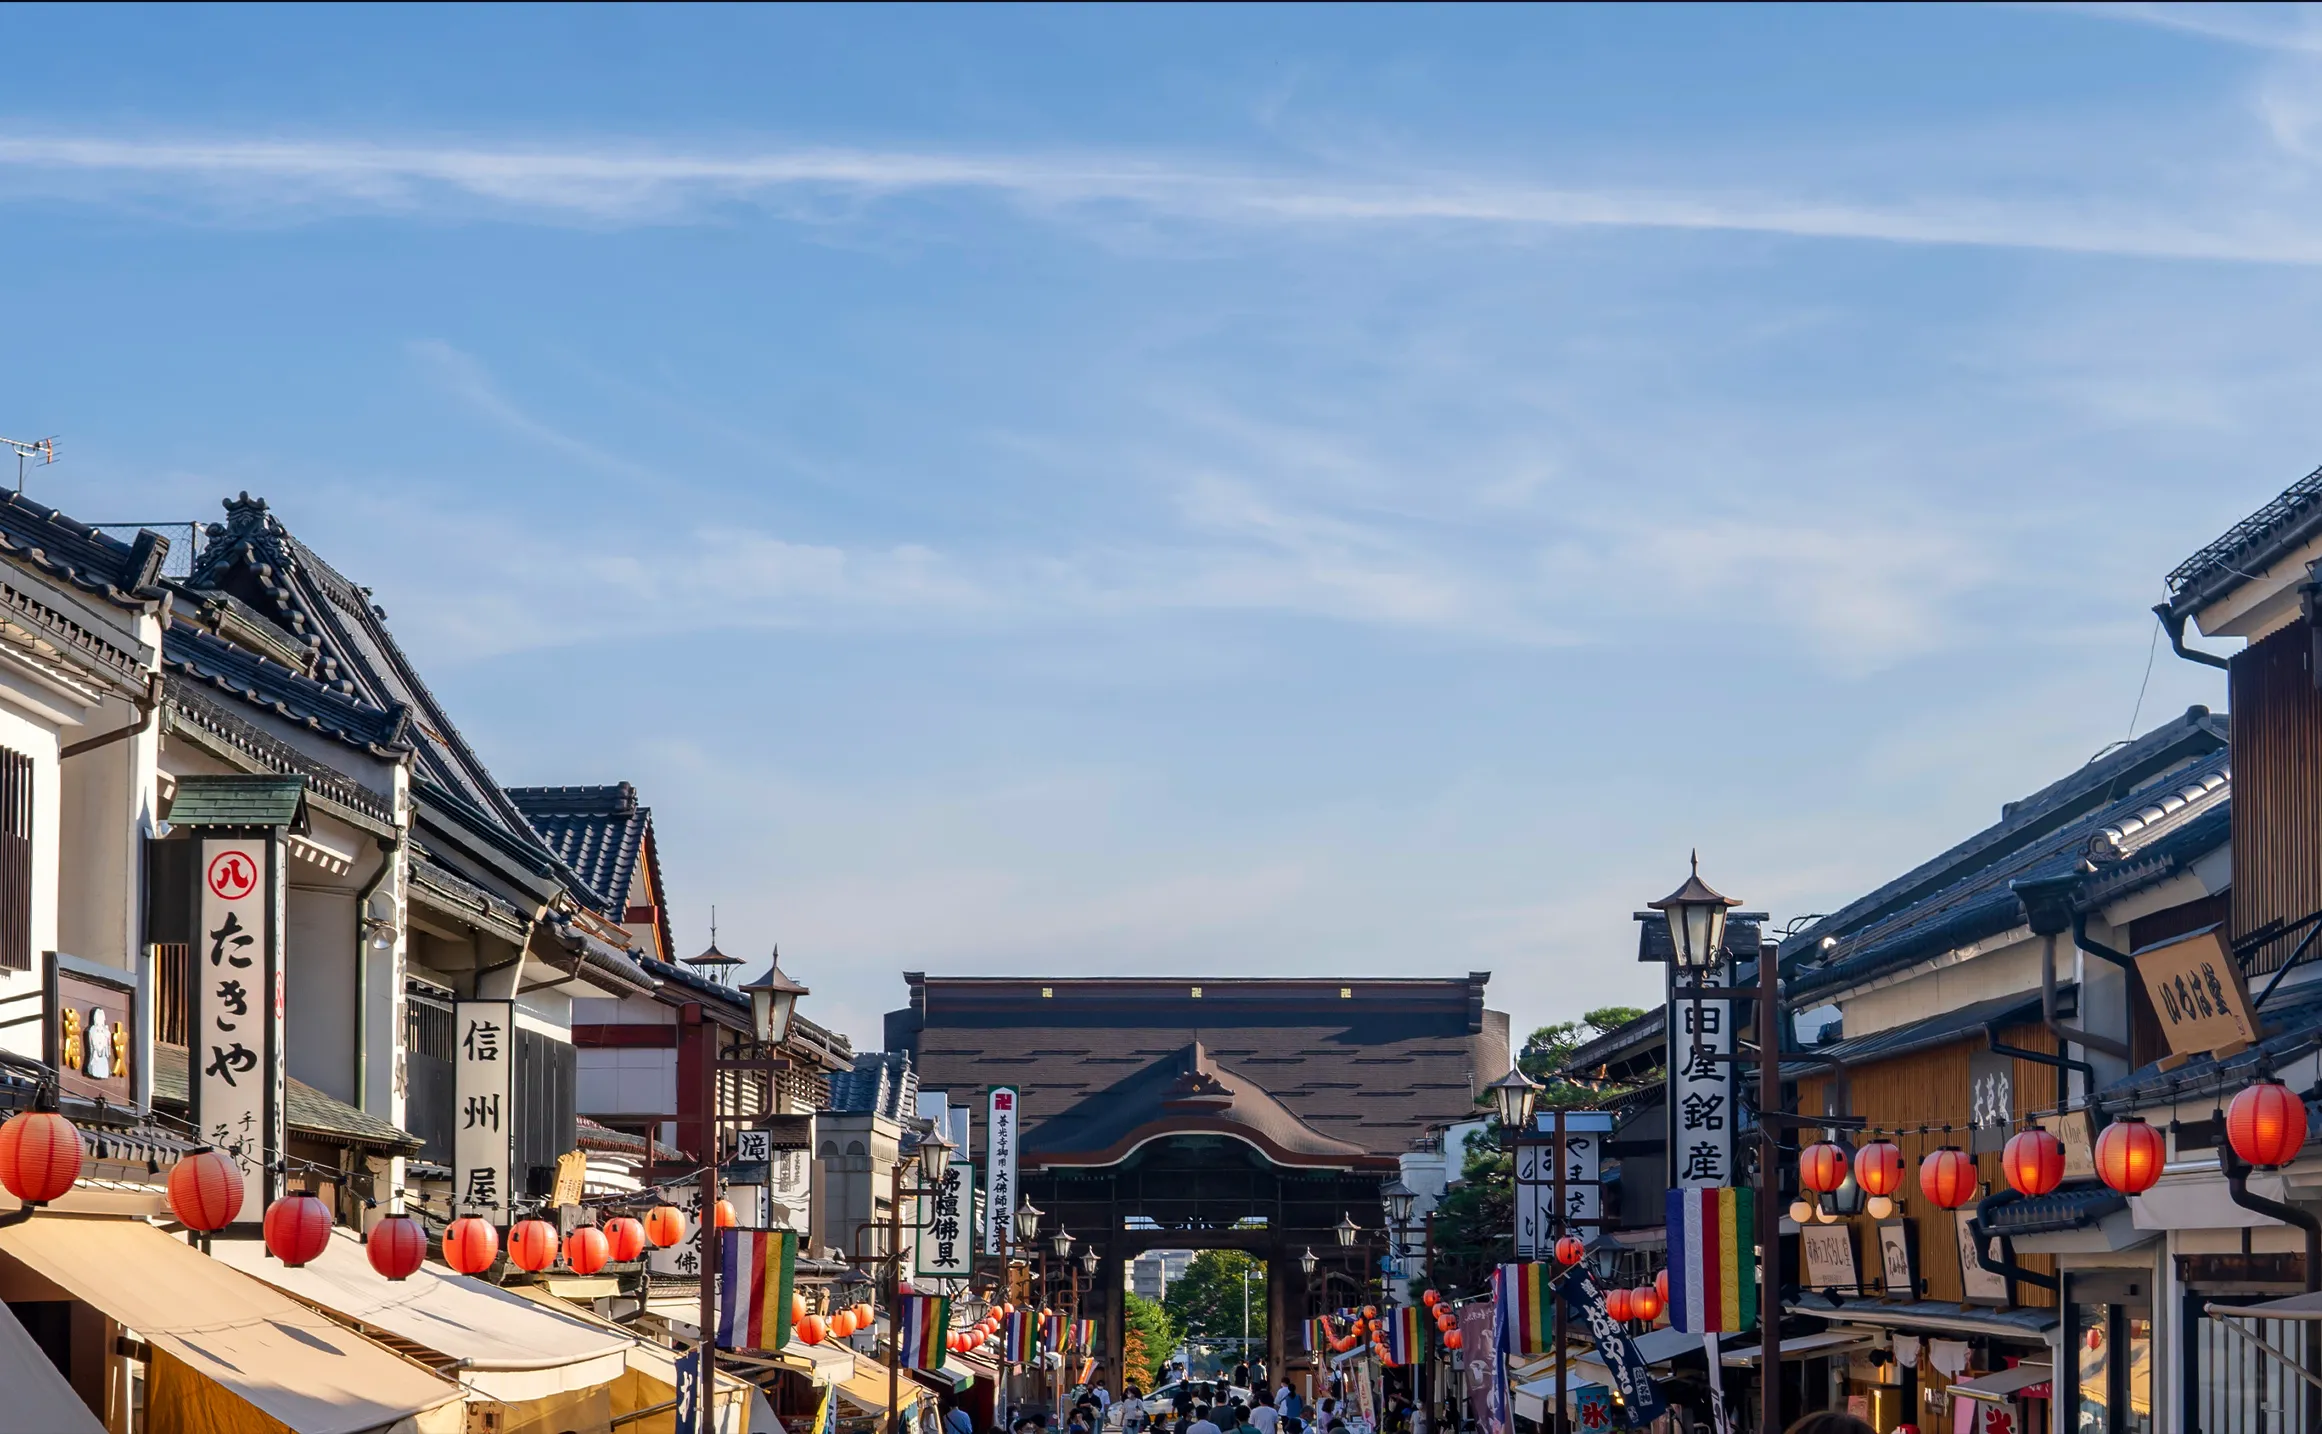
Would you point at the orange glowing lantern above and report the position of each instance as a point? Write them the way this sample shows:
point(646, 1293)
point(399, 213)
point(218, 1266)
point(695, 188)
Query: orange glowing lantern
point(2129, 1156)
point(2266, 1124)
point(40, 1156)
point(1948, 1177)
point(470, 1245)
point(532, 1245)
point(205, 1190)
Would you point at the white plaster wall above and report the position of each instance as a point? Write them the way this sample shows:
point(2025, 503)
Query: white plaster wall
point(37, 740)
point(614, 1082)
point(107, 808)
point(319, 990)
point(2004, 972)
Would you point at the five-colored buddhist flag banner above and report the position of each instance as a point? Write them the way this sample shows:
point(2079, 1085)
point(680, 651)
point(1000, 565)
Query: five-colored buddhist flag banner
point(1405, 1343)
point(1713, 1277)
point(1318, 1334)
point(1527, 1311)
point(1052, 1330)
point(1016, 1337)
point(923, 1330)
point(1084, 1335)
point(755, 1267)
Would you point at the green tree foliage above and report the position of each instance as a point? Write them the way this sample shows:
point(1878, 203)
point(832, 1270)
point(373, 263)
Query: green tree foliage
point(1549, 1049)
point(1475, 1223)
point(1206, 1301)
point(1149, 1336)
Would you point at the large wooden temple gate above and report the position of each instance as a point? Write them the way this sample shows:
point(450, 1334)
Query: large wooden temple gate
point(1180, 1114)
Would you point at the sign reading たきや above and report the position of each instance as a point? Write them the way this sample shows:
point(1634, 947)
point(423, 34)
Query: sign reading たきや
point(234, 1034)
point(483, 1108)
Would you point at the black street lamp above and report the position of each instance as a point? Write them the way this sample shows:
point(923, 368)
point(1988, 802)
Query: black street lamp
point(1514, 1096)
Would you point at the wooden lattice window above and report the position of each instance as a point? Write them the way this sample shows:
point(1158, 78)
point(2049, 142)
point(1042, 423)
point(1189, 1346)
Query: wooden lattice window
point(15, 861)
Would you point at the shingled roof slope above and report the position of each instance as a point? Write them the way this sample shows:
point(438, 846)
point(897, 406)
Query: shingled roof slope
point(292, 696)
point(1183, 1092)
point(125, 574)
point(2252, 545)
point(255, 558)
point(600, 834)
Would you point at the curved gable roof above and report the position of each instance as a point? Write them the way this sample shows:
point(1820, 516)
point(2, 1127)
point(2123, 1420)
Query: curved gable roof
point(1184, 1093)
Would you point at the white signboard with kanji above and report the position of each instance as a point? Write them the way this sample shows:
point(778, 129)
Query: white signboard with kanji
point(1000, 1127)
point(947, 1223)
point(1701, 1088)
point(235, 1040)
point(483, 1108)
point(1537, 1223)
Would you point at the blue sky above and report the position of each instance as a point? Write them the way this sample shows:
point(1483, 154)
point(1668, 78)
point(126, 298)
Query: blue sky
point(1220, 491)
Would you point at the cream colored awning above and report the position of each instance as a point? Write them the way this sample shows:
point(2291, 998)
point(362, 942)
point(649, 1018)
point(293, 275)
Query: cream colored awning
point(656, 1366)
point(290, 1363)
point(500, 1346)
point(38, 1399)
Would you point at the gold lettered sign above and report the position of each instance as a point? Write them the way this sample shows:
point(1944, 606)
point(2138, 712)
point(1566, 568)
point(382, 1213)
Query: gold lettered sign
point(572, 1171)
point(2198, 994)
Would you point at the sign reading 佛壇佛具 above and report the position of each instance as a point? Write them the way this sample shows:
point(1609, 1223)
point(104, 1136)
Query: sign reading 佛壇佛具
point(483, 1108)
point(2198, 994)
point(234, 1036)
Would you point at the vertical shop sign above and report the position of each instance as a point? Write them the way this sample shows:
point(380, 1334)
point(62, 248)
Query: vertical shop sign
point(235, 1039)
point(1701, 1088)
point(947, 1225)
point(483, 1108)
point(1000, 1125)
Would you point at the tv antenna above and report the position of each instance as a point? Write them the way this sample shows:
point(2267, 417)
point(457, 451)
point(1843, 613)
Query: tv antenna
point(36, 450)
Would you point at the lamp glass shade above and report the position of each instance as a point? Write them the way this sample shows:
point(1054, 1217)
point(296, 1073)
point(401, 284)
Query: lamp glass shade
point(1696, 917)
point(1307, 1261)
point(1346, 1230)
point(934, 1158)
point(1399, 1198)
point(1514, 1096)
point(1801, 1212)
point(1027, 1222)
point(972, 1308)
point(1089, 1263)
point(1061, 1242)
point(773, 999)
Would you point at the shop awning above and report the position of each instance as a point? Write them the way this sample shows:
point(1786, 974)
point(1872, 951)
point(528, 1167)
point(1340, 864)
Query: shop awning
point(1819, 1345)
point(39, 1401)
point(866, 1388)
point(2287, 1307)
point(498, 1344)
point(285, 1360)
point(652, 1380)
point(1932, 1317)
point(2025, 1381)
point(948, 1380)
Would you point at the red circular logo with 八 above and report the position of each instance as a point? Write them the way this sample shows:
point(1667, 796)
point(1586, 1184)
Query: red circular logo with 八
point(232, 875)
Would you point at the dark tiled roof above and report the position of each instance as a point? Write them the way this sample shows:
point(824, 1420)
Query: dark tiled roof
point(1376, 1068)
point(591, 1136)
point(2249, 546)
point(190, 710)
point(254, 557)
point(2074, 1207)
point(202, 800)
point(1186, 1091)
point(881, 1083)
point(125, 574)
point(597, 832)
point(1941, 1030)
point(199, 658)
point(2293, 1018)
point(308, 1111)
point(1964, 895)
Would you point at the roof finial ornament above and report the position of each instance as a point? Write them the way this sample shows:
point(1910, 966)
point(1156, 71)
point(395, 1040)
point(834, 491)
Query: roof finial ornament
point(717, 964)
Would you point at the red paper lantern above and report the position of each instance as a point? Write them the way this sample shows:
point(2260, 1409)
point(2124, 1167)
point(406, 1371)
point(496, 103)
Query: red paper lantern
point(470, 1245)
point(2033, 1162)
point(2129, 1155)
point(665, 1226)
point(1616, 1304)
point(842, 1324)
point(532, 1245)
point(205, 1190)
point(811, 1330)
point(1661, 1285)
point(2266, 1124)
point(865, 1318)
point(1570, 1249)
point(40, 1156)
point(1645, 1303)
point(1428, 1298)
point(297, 1227)
point(1822, 1167)
point(1878, 1168)
point(1370, 1311)
point(586, 1250)
point(625, 1238)
point(797, 1307)
point(1948, 1177)
point(1452, 1340)
point(396, 1246)
point(725, 1215)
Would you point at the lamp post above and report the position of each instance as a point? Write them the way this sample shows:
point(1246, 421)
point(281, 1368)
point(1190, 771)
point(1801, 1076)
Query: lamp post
point(934, 1161)
point(1024, 1226)
point(773, 1000)
point(1696, 915)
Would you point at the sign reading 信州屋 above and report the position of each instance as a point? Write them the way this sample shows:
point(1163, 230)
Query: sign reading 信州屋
point(234, 1039)
point(483, 1107)
point(1000, 1124)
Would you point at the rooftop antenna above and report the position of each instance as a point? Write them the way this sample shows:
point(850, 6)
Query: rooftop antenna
point(36, 450)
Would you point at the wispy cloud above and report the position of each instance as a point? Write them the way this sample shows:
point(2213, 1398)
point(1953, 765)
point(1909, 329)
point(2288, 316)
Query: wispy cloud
point(2295, 28)
point(642, 184)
